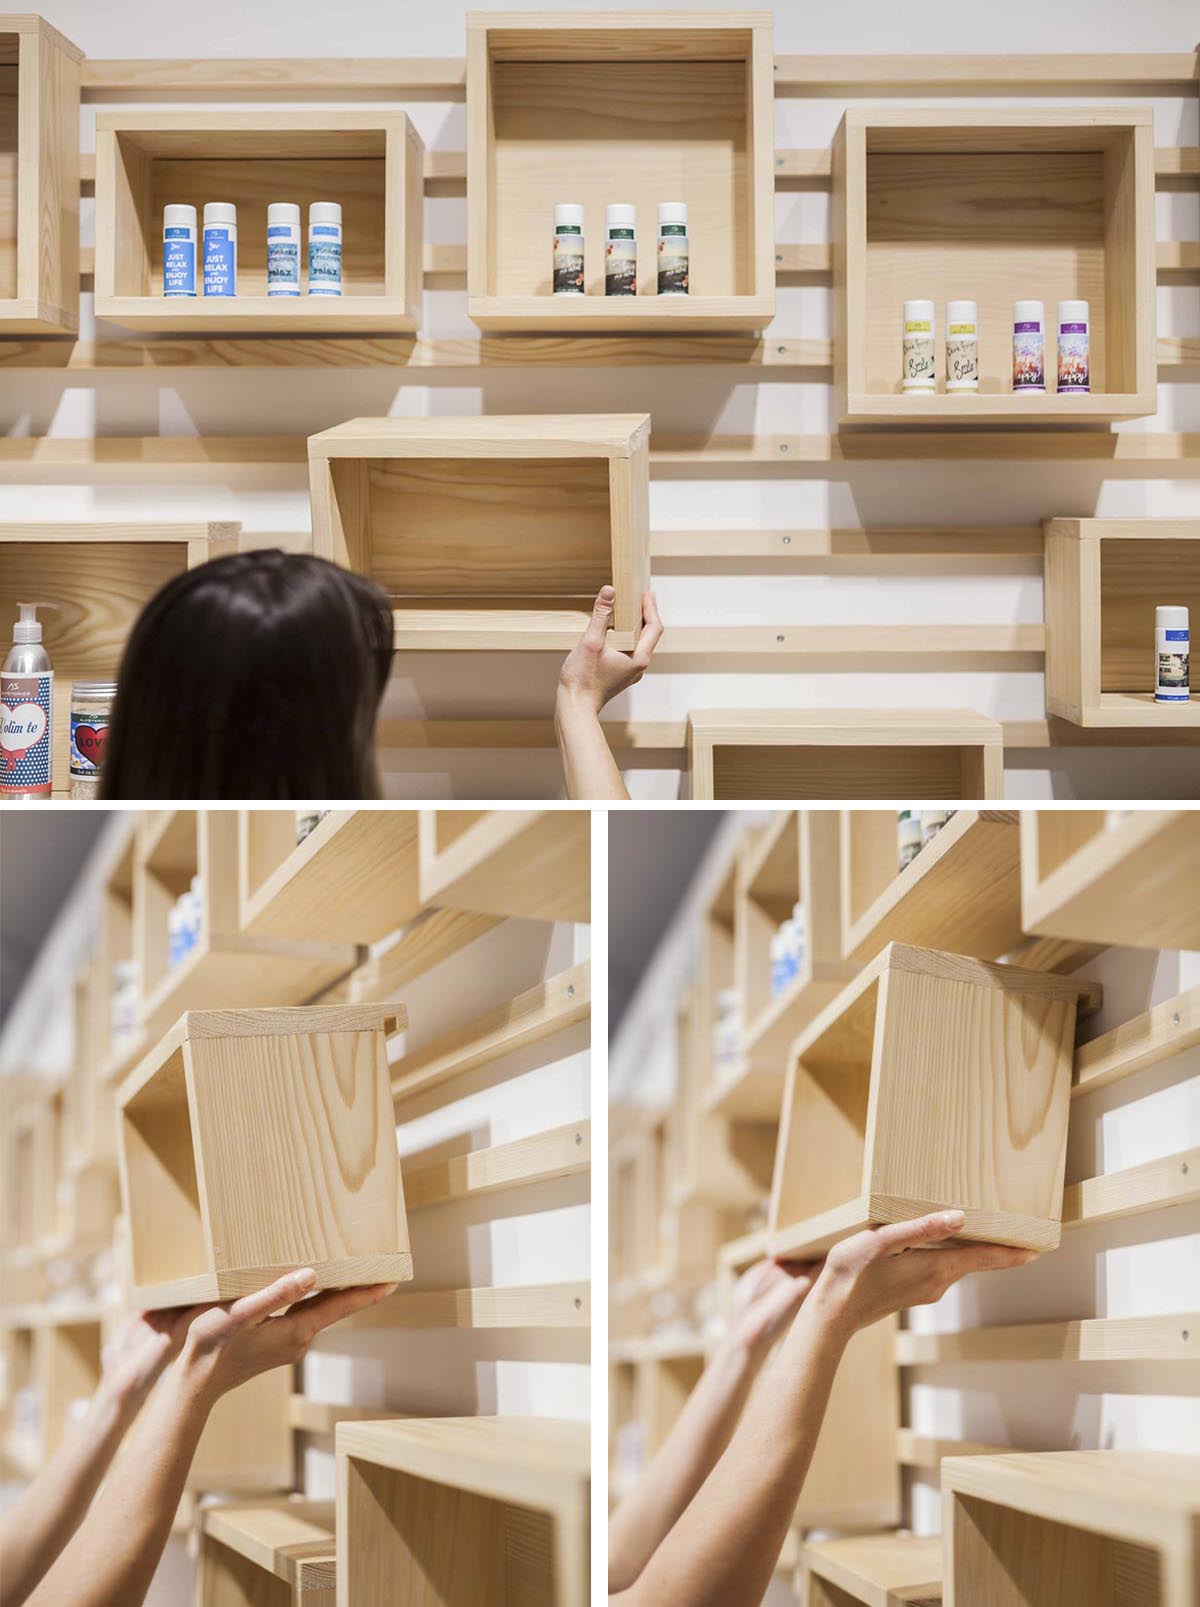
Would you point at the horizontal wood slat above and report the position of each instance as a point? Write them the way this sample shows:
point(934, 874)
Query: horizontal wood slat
point(1169, 1180)
point(1173, 258)
point(320, 1417)
point(1158, 1033)
point(1094, 1339)
point(276, 77)
point(541, 1158)
point(541, 1305)
point(926, 1452)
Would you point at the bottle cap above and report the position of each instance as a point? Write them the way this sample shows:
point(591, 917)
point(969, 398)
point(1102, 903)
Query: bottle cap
point(918, 312)
point(29, 627)
point(1072, 312)
point(179, 217)
point(620, 216)
point(1028, 312)
point(284, 212)
point(962, 312)
point(569, 213)
point(672, 211)
point(219, 212)
point(325, 212)
point(1170, 618)
point(93, 689)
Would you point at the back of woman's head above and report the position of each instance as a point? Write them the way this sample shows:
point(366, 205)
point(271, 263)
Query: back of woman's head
point(254, 676)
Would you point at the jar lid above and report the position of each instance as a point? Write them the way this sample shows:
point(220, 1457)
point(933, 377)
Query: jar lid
point(93, 689)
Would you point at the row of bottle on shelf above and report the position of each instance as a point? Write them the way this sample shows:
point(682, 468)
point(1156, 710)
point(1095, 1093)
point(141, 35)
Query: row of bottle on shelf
point(916, 829)
point(620, 250)
point(962, 348)
point(220, 249)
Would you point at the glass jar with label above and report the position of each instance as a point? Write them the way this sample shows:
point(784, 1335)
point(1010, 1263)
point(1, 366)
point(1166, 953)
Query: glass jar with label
point(91, 712)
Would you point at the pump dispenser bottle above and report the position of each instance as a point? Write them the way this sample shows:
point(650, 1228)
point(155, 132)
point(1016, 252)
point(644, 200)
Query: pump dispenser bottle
point(26, 712)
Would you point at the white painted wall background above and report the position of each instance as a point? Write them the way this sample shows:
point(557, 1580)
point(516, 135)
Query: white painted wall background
point(1146, 1266)
point(249, 401)
point(526, 1236)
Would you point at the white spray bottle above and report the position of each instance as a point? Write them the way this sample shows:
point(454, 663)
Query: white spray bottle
point(26, 712)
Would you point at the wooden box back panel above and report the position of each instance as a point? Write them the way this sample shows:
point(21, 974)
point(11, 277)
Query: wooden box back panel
point(1136, 576)
point(1005, 1558)
point(811, 773)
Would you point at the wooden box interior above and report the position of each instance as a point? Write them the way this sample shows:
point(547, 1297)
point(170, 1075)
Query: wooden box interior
point(166, 1228)
point(1135, 577)
point(166, 871)
point(1008, 1558)
point(768, 899)
point(815, 772)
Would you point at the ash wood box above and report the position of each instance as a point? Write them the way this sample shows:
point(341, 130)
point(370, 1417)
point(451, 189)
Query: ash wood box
point(1132, 881)
point(533, 864)
point(246, 1447)
point(354, 878)
point(635, 107)
point(813, 754)
point(254, 1141)
point(39, 178)
point(490, 533)
point(463, 1512)
point(371, 162)
point(1077, 1528)
point(1104, 579)
point(995, 206)
point(879, 1570)
point(268, 1554)
point(933, 1081)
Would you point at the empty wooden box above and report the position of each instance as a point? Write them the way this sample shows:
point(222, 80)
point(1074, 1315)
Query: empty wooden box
point(811, 754)
point(530, 863)
point(463, 1512)
point(39, 178)
point(997, 206)
point(247, 1444)
point(370, 162)
point(932, 1082)
point(636, 108)
point(1104, 580)
point(269, 1554)
point(493, 532)
point(255, 1141)
point(879, 1570)
point(1076, 1528)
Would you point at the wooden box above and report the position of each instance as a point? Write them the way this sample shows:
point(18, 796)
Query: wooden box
point(492, 532)
point(932, 1082)
point(255, 1141)
point(100, 576)
point(813, 754)
point(70, 1367)
point(1122, 877)
point(371, 162)
point(879, 1570)
point(463, 1512)
point(268, 1553)
point(353, 879)
point(39, 179)
point(530, 863)
point(632, 107)
point(1076, 1528)
point(1104, 579)
point(663, 1383)
point(247, 1443)
point(996, 206)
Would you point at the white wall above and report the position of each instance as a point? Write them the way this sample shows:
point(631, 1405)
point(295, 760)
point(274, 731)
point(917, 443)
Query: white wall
point(1146, 1266)
point(680, 400)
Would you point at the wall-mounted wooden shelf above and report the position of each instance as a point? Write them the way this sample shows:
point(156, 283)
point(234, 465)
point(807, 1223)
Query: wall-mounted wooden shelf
point(69, 1363)
point(493, 532)
point(352, 880)
point(932, 1081)
point(632, 108)
point(814, 754)
point(879, 1570)
point(962, 891)
point(523, 1305)
point(269, 1553)
point(369, 161)
point(462, 1512)
point(1074, 1527)
point(715, 974)
point(225, 968)
point(939, 204)
point(258, 1140)
point(533, 864)
point(1104, 579)
point(545, 1157)
point(39, 179)
point(1133, 881)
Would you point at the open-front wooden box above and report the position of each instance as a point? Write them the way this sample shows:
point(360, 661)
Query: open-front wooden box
point(932, 1082)
point(1104, 580)
point(277, 1553)
point(463, 1512)
point(1043, 204)
point(255, 1141)
point(879, 1570)
point(492, 532)
point(532, 864)
point(371, 162)
point(39, 179)
point(630, 107)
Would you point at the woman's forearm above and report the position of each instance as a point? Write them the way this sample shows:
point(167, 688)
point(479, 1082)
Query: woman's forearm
point(690, 1452)
point(589, 768)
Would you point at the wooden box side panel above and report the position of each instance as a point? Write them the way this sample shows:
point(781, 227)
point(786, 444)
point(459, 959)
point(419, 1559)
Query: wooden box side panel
point(1072, 610)
point(820, 1159)
point(46, 168)
point(227, 1579)
point(159, 1182)
point(1130, 313)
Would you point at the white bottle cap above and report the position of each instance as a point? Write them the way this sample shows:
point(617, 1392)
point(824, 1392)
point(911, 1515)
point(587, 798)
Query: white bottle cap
point(619, 216)
point(1168, 618)
point(29, 627)
point(219, 212)
point(1028, 312)
point(325, 212)
point(569, 213)
point(179, 217)
point(672, 212)
point(962, 312)
point(1072, 312)
point(284, 212)
point(916, 312)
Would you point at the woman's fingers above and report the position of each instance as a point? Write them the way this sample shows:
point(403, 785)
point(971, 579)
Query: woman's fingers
point(597, 627)
point(652, 629)
point(276, 1296)
point(895, 1237)
point(332, 1305)
point(964, 1259)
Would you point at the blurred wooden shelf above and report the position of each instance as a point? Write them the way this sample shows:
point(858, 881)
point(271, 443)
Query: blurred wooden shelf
point(271, 1552)
point(532, 864)
point(879, 1570)
point(1164, 1030)
point(532, 1305)
point(1172, 1339)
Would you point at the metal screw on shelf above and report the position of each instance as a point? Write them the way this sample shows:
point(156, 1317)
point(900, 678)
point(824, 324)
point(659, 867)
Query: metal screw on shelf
point(1186, 1334)
point(783, 446)
point(570, 990)
point(779, 638)
point(579, 1140)
point(579, 1307)
point(787, 541)
point(781, 351)
point(1175, 1019)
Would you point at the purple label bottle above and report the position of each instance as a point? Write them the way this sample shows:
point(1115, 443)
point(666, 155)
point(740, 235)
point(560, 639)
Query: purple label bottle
point(1073, 348)
point(1029, 347)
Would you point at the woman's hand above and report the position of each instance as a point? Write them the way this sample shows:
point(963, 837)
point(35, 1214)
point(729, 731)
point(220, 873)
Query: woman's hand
point(140, 1348)
point(765, 1299)
point(593, 672)
point(873, 1274)
point(228, 1344)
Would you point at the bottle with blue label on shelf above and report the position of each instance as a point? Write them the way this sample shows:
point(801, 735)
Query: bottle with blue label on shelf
point(220, 248)
point(325, 249)
point(1172, 655)
point(26, 712)
point(179, 251)
point(283, 249)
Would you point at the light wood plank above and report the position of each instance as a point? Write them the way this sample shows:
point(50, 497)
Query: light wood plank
point(1158, 1033)
point(432, 938)
point(1092, 1339)
point(928, 1452)
point(542, 1157)
point(1153, 1186)
point(544, 1305)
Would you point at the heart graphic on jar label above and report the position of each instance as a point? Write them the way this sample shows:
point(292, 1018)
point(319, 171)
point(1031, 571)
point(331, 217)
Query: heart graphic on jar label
point(90, 742)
